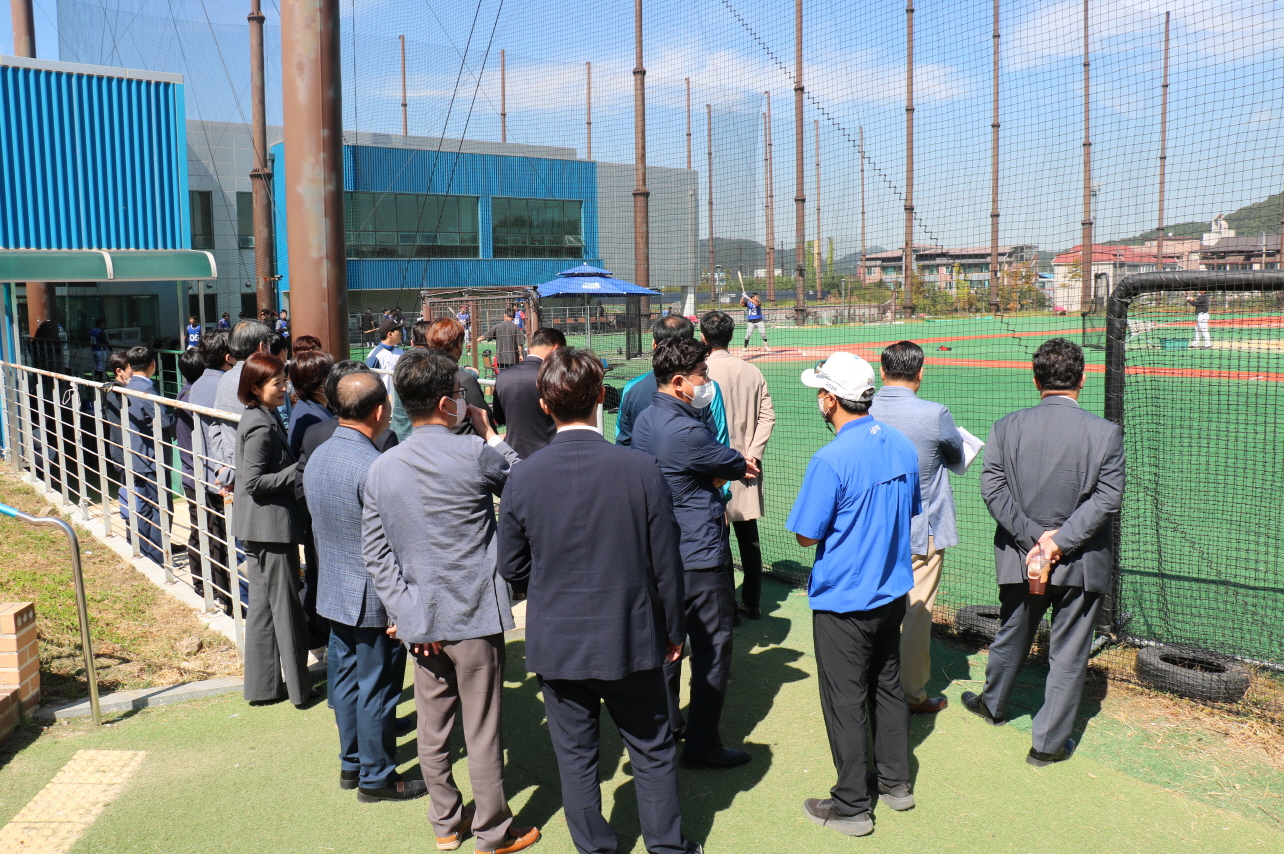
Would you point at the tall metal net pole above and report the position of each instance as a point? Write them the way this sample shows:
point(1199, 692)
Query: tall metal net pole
point(800, 188)
point(713, 279)
point(261, 174)
point(770, 195)
point(588, 110)
point(405, 125)
point(994, 170)
point(1085, 262)
point(641, 195)
point(503, 98)
point(860, 269)
point(40, 295)
point(907, 260)
point(1163, 151)
point(815, 249)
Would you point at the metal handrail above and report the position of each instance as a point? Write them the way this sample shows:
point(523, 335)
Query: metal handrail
point(82, 608)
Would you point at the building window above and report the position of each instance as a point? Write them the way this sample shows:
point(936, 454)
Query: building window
point(537, 228)
point(411, 225)
point(202, 204)
point(245, 220)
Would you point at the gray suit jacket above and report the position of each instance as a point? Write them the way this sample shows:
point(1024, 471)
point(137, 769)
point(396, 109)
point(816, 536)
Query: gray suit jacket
point(335, 478)
point(1054, 466)
point(223, 442)
point(428, 535)
point(265, 509)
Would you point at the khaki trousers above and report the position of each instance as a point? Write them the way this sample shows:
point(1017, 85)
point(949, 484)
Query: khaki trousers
point(467, 676)
point(916, 630)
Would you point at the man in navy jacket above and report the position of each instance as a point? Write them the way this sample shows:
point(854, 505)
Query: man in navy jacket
point(696, 465)
point(605, 602)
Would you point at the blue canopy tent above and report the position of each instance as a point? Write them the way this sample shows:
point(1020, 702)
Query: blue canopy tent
point(591, 281)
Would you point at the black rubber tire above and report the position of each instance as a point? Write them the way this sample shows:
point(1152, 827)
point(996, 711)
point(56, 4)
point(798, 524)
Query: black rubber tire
point(1192, 672)
point(982, 622)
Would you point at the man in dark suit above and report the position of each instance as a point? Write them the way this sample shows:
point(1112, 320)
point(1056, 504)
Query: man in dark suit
point(517, 397)
point(696, 465)
point(1053, 480)
point(147, 506)
point(366, 666)
point(603, 613)
point(319, 433)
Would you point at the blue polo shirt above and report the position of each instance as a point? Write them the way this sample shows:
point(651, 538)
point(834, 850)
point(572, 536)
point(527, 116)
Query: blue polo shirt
point(858, 498)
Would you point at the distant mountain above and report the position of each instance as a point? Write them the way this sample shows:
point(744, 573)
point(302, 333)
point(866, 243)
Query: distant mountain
point(846, 265)
point(1258, 218)
point(745, 256)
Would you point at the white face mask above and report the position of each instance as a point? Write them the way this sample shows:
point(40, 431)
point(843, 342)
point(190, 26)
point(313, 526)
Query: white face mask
point(461, 411)
point(702, 395)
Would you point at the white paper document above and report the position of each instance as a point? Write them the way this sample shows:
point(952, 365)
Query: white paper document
point(971, 447)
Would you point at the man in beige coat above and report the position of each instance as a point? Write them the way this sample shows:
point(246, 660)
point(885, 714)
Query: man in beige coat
point(750, 419)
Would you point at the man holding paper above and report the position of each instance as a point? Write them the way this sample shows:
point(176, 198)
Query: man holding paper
point(940, 445)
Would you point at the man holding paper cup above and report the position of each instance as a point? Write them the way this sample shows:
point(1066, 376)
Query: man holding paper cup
point(1053, 480)
point(941, 446)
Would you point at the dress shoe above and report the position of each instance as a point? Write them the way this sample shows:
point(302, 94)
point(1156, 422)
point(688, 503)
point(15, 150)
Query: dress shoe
point(349, 779)
point(899, 797)
point(930, 706)
point(518, 839)
point(401, 790)
point(680, 734)
point(452, 842)
point(719, 757)
point(822, 813)
point(1040, 760)
point(405, 726)
point(974, 704)
point(751, 613)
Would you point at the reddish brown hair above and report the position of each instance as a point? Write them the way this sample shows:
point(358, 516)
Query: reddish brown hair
point(444, 333)
point(258, 369)
point(305, 344)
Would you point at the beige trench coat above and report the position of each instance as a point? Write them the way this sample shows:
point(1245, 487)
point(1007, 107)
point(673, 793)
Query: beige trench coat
point(750, 419)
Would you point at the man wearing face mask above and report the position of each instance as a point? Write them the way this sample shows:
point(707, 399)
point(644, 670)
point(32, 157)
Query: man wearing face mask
point(696, 465)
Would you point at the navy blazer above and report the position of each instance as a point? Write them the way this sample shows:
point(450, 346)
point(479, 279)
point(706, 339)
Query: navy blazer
point(597, 555)
point(691, 458)
point(517, 406)
point(141, 425)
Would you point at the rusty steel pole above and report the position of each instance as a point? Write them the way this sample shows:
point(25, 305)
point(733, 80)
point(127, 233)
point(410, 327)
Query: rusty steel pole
point(800, 170)
point(994, 170)
point(503, 98)
point(815, 249)
point(1085, 261)
point(261, 174)
point(771, 209)
point(713, 279)
point(313, 110)
point(1163, 151)
point(405, 125)
point(588, 109)
point(641, 195)
point(907, 258)
point(40, 295)
point(688, 84)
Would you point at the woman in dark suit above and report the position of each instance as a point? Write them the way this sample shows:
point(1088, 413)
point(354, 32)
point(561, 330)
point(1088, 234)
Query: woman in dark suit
point(268, 519)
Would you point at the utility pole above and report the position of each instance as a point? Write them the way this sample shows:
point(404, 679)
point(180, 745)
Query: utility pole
point(1085, 261)
point(1163, 151)
point(815, 249)
point(503, 98)
point(800, 187)
point(771, 210)
point(588, 108)
point(261, 174)
point(41, 305)
point(907, 258)
point(994, 171)
point(312, 103)
point(641, 195)
point(688, 84)
point(713, 279)
point(405, 125)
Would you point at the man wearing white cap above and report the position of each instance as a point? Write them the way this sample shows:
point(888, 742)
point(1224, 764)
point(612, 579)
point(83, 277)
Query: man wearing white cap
point(857, 500)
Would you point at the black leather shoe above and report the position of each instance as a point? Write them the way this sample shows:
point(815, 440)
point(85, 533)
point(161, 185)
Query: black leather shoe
point(349, 779)
point(719, 757)
point(680, 734)
point(402, 790)
point(1041, 760)
point(405, 726)
point(974, 704)
point(751, 613)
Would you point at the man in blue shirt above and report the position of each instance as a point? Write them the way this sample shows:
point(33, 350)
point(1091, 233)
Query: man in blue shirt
point(639, 391)
point(856, 502)
point(224, 324)
point(696, 466)
point(754, 319)
point(193, 333)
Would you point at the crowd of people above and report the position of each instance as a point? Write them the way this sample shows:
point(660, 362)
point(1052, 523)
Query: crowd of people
point(371, 536)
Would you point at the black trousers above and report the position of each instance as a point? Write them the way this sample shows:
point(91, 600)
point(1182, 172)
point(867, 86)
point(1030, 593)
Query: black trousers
point(858, 664)
point(750, 562)
point(710, 607)
point(636, 705)
point(216, 539)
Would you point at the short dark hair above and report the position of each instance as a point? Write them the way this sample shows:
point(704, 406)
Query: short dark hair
point(246, 338)
point(341, 370)
point(444, 333)
point(717, 328)
point(546, 336)
point(422, 378)
point(118, 361)
point(276, 344)
point(191, 364)
point(509, 313)
point(569, 382)
point(357, 395)
point(677, 356)
point(854, 407)
point(902, 360)
point(308, 372)
point(99, 321)
point(140, 357)
point(304, 343)
point(213, 349)
point(258, 369)
point(1058, 365)
point(673, 326)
